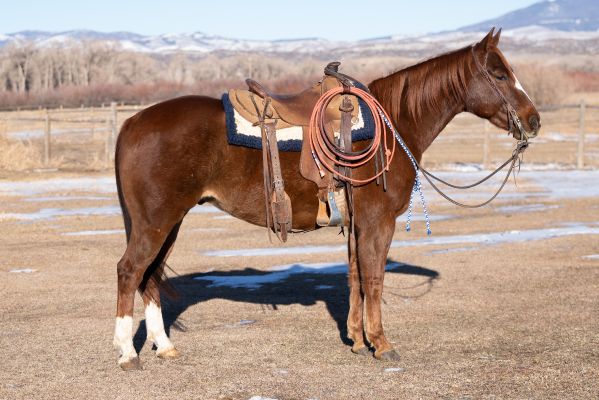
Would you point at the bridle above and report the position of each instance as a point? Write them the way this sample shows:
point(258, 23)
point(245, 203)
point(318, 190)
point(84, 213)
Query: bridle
point(513, 161)
point(512, 115)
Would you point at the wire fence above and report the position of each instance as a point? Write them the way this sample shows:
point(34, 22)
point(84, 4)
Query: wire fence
point(84, 139)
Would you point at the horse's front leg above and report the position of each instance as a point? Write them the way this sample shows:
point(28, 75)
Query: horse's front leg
point(355, 321)
point(373, 242)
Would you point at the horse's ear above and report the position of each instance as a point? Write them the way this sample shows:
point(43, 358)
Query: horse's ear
point(487, 41)
point(496, 38)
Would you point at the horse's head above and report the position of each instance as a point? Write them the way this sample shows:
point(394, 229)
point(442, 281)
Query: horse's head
point(494, 92)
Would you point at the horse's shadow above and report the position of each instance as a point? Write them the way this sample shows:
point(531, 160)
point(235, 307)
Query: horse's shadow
point(295, 284)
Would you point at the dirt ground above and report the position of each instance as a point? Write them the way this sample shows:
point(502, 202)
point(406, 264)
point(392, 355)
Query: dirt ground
point(495, 319)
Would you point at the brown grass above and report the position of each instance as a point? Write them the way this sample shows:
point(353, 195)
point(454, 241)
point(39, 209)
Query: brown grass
point(18, 155)
point(510, 321)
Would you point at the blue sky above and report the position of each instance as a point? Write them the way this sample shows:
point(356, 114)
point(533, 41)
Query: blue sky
point(254, 19)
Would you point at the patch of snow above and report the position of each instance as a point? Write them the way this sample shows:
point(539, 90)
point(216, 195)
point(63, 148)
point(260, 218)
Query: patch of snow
point(261, 398)
point(51, 213)
point(570, 185)
point(538, 33)
point(93, 233)
point(488, 239)
point(243, 322)
point(65, 198)
point(22, 271)
point(394, 370)
point(205, 209)
point(591, 257)
point(58, 185)
point(224, 216)
point(432, 217)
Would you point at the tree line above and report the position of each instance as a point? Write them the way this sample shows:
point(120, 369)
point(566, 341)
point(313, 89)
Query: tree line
point(89, 73)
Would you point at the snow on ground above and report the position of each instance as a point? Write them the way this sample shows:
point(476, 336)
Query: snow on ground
point(557, 184)
point(551, 185)
point(93, 233)
point(104, 184)
point(47, 199)
point(483, 239)
point(51, 213)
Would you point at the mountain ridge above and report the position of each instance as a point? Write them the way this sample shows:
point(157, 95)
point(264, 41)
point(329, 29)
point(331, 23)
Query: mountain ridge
point(532, 27)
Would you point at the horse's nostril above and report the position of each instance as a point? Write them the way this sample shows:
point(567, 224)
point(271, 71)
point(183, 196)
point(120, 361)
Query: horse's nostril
point(534, 122)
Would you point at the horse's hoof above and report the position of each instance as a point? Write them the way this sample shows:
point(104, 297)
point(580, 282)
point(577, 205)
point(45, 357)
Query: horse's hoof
point(389, 355)
point(132, 364)
point(169, 354)
point(362, 351)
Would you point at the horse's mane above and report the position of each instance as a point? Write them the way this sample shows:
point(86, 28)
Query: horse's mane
point(426, 85)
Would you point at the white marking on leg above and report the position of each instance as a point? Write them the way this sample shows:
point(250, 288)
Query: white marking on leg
point(155, 327)
point(520, 88)
point(123, 338)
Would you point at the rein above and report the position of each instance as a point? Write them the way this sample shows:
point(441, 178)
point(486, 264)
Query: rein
point(520, 147)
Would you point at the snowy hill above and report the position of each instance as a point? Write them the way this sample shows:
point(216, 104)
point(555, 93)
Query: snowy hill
point(562, 15)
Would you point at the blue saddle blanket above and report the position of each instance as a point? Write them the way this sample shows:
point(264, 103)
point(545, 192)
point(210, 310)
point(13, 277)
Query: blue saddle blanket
point(240, 131)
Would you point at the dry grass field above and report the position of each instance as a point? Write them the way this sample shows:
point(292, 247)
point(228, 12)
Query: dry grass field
point(500, 303)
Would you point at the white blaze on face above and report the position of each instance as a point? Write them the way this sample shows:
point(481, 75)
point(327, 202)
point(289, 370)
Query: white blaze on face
point(155, 327)
point(520, 88)
point(123, 338)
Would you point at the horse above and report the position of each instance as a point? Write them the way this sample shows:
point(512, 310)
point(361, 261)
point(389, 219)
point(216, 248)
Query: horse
point(175, 155)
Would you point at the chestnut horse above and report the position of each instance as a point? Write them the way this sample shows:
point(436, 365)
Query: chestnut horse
point(175, 154)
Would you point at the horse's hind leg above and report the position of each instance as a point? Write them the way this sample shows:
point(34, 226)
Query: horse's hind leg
point(355, 321)
point(143, 247)
point(150, 293)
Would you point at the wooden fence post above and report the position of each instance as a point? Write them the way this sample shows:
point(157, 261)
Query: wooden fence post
point(486, 145)
point(47, 139)
point(114, 125)
point(580, 155)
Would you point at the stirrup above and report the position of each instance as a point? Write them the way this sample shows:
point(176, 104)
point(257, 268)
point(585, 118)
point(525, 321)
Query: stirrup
point(334, 211)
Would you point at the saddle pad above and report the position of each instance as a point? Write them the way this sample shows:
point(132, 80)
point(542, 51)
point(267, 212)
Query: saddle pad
point(241, 132)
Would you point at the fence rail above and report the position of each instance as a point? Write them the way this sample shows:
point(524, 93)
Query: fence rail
point(84, 138)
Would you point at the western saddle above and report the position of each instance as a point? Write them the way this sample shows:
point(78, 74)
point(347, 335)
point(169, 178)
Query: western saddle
point(273, 111)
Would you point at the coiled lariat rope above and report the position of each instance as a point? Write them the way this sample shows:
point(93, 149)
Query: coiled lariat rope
point(334, 156)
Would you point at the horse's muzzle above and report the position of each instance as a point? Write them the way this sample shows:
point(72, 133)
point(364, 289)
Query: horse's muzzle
point(520, 133)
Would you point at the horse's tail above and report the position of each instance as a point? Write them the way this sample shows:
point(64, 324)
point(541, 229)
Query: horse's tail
point(123, 204)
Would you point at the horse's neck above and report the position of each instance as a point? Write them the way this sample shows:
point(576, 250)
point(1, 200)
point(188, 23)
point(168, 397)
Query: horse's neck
point(426, 127)
point(420, 127)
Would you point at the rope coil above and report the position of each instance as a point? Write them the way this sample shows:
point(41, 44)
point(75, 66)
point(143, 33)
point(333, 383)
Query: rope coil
point(326, 154)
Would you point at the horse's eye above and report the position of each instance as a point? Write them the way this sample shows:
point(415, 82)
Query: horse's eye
point(501, 77)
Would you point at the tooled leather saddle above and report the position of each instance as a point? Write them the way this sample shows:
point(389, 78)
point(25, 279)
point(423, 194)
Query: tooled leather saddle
point(274, 112)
